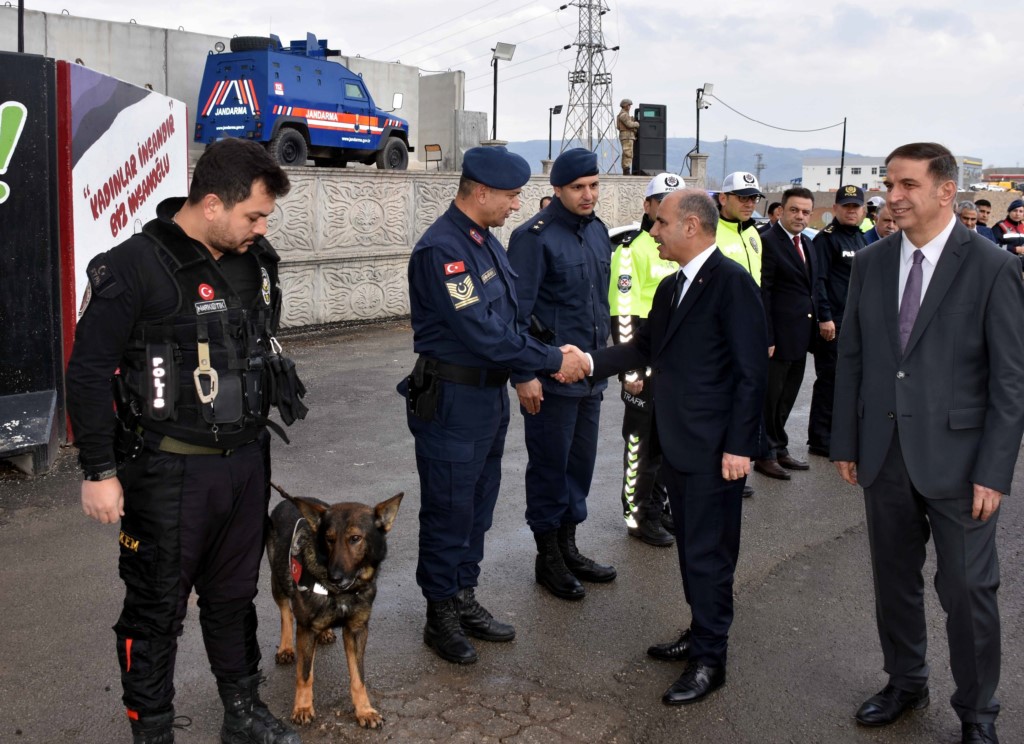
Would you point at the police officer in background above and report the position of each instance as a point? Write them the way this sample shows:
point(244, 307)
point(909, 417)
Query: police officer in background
point(562, 258)
point(637, 270)
point(834, 247)
point(463, 307)
point(627, 127)
point(187, 310)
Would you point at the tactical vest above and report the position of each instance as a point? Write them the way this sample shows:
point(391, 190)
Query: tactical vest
point(200, 374)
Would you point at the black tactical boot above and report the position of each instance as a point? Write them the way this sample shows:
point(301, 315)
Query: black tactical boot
point(551, 571)
point(583, 568)
point(158, 729)
point(478, 622)
point(247, 719)
point(443, 633)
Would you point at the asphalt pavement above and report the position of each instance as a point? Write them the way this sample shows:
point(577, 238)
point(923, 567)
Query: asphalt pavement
point(803, 650)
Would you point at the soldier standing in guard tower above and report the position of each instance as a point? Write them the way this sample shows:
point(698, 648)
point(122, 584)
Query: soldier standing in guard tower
point(627, 127)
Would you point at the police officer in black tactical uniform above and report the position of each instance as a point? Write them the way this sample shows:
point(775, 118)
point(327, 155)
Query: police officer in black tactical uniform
point(187, 310)
point(835, 247)
point(463, 307)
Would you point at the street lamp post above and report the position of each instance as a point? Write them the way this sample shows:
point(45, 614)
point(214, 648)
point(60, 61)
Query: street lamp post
point(551, 115)
point(701, 104)
point(503, 52)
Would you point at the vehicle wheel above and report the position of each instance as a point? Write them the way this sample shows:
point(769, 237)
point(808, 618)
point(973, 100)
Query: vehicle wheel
point(252, 43)
point(394, 155)
point(288, 147)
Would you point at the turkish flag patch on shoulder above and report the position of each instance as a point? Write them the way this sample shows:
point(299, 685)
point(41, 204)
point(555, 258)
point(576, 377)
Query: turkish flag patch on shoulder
point(455, 267)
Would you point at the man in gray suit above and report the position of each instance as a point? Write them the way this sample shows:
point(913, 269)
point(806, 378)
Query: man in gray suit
point(928, 418)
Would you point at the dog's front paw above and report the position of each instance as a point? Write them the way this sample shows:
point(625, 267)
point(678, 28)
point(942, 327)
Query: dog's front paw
point(370, 718)
point(303, 714)
point(285, 656)
point(326, 638)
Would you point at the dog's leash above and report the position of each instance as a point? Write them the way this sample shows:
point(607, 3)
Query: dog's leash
point(296, 566)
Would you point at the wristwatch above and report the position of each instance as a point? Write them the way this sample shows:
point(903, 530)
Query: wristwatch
point(101, 475)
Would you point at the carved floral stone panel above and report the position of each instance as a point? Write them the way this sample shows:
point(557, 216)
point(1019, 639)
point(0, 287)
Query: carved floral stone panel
point(360, 214)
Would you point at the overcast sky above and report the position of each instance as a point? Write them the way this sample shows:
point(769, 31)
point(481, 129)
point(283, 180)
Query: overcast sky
point(898, 70)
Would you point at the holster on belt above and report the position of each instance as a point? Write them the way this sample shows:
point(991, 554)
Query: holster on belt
point(127, 441)
point(423, 389)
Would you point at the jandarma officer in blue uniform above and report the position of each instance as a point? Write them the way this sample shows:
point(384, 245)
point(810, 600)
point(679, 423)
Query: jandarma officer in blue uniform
point(562, 257)
point(463, 306)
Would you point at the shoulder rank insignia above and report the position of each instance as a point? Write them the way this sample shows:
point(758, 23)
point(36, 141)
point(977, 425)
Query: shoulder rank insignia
point(829, 228)
point(463, 293)
point(538, 226)
point(477, 237)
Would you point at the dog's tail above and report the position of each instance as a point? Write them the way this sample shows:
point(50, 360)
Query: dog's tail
point(280, 490)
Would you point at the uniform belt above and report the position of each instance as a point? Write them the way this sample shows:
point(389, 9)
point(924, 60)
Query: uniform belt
point(174, 446)
point(477, 376)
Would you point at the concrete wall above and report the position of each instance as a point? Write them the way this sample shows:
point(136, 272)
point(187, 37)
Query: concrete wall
point(441, 95)
point(172, 62)
point(345, 235)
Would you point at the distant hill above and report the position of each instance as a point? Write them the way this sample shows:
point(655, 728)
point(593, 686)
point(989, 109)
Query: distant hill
point(782, 164)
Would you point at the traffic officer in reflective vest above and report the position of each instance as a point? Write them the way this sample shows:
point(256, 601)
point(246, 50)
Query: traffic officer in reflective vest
point(187, 310)
point(637, 270)
point(463, 306)
point(562, 257)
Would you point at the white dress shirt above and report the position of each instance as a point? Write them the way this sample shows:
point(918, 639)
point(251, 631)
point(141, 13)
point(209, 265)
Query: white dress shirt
point(931, 250)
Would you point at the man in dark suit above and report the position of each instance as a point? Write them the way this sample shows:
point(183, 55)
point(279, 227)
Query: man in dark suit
point(788, 290)
point(928, 418)
point(704, 341)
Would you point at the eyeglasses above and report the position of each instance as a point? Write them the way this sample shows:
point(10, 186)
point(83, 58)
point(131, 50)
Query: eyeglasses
point(752, 199)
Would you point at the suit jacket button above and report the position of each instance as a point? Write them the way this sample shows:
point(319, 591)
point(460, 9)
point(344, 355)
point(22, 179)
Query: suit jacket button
point(891, 415)
point(900, 375)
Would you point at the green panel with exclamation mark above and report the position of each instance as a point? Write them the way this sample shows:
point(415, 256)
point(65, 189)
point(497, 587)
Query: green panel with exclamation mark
point(12, 121)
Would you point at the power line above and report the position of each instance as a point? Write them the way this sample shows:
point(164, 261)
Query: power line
point(465, 62)
point(771, 126)
point(516, 64)
point(524, 74)
point(420, 33)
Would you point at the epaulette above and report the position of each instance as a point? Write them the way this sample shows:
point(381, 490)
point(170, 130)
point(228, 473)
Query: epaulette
point(629, 237)
point(539, 225)
point(829, 228)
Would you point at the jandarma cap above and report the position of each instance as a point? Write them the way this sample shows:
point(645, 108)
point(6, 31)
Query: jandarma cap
point(741, 183)
point(661, 184)
point(572, 164)
point(850, 195)
point(495, 167)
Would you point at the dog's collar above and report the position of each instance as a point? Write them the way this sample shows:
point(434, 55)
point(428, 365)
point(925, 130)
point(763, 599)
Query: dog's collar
point(303, 581)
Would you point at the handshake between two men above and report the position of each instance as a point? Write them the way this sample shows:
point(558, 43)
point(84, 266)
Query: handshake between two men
point(575, 366)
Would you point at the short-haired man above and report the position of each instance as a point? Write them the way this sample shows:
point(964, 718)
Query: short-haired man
point(885, 225)
point(637, 270)
point(836, 246)
point(737, 235)
point(463, 307)
point(788, 291)
point(562, 261)
point(193, 298)
point(984, 207)
point(929, 414)
point(773, 213)
point(706, 336)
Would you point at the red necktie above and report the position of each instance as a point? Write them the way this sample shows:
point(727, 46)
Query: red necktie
point(796, 244)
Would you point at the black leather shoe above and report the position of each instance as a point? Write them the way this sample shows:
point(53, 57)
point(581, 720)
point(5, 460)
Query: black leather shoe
point(677, 650)
point(652, 532)
point(694, 684)
point(978, 733)
point(772, 469)
point(583, 568)
point(748, 491)
point(551, 571)
point(887, 706)
point(443, 633)
point(478, 622)
point(819, 451)
point(791, 463)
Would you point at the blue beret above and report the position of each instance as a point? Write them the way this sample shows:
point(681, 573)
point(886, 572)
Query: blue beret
point(495, 167)
point(1015, 204)
point(572, 164)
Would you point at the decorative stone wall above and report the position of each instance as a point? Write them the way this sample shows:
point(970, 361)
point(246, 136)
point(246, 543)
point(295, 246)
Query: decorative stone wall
point(345, 235)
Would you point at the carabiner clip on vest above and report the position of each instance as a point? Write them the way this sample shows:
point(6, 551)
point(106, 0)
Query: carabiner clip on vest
point(205, 370)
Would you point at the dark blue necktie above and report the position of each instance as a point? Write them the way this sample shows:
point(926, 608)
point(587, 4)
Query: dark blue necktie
point(677, 294)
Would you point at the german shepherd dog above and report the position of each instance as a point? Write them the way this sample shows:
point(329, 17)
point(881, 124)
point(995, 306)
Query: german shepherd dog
point(323, 574)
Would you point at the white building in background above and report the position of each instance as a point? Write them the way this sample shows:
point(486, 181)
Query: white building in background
point(822, 174)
